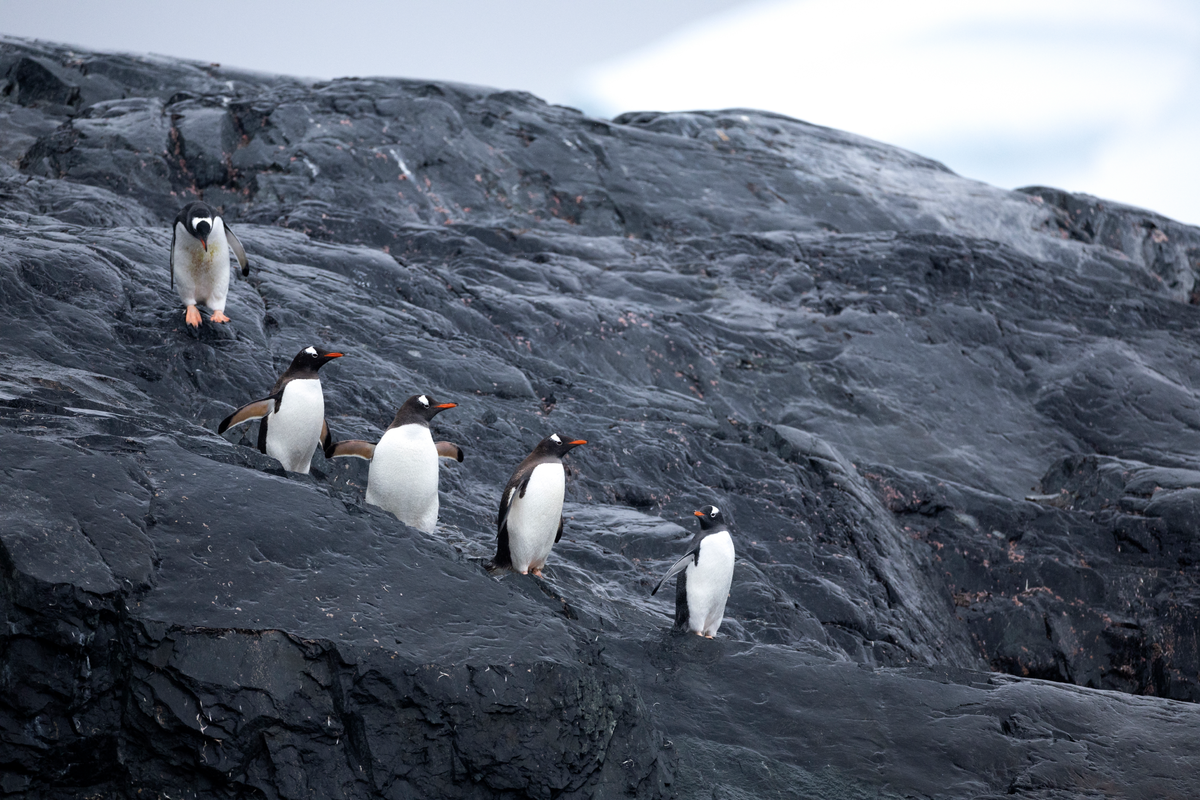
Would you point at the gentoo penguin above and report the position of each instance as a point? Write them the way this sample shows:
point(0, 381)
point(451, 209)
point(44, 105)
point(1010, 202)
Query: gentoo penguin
point(705, 575)
point(293, 414)
point(531, 519)
point(200, 244)
point(403, 478)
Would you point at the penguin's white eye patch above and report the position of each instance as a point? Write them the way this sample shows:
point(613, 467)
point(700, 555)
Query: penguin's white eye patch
point(197, 220)
point(554, 436)
point(424, 400)
point(716, 511)
point(312, 351)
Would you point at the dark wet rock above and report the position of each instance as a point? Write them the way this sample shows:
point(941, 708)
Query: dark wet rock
point(37, 81)
point(954, 428)
point(1091, 581)
point(1167, 248)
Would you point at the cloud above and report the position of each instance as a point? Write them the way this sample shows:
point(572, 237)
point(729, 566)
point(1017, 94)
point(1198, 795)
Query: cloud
point(1089, 96)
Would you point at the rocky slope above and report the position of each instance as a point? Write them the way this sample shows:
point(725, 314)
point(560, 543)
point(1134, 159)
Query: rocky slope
point(955, 428)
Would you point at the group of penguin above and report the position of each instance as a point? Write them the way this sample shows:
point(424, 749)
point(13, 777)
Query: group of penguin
point(404, 463)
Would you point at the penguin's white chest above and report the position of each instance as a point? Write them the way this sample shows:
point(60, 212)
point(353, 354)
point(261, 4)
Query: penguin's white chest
point(404, 476)
point(294, 431)
point(202, 275)
point(533, 519)
point(708, 582)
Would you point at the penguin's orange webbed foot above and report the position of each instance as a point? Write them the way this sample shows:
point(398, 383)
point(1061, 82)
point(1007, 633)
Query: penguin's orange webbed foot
point(219, 316)
point(193, 317)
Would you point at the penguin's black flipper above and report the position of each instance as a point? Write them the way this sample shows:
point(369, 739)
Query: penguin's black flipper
point(677, 567)
point(237, 250)
point(173, 226)
point(558, 535)
point(351, 448)
point(524, 485)
point(256, 410)
point(449, 450)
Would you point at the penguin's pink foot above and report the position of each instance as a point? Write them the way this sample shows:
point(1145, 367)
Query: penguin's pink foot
point(193, 317)
point(219, 316)
point(537, 571)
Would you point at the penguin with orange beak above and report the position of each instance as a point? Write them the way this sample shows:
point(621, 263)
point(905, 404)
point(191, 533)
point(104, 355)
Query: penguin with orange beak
point(403, 478)
point(200, 245)
point(293, 414)
point(705, 575)
point(530, 520)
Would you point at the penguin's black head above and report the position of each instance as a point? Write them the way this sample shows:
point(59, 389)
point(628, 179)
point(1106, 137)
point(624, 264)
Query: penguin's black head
point(555, 445)
point(710, 518)
point(198, 220)
point(311, 359)
point(424, 407)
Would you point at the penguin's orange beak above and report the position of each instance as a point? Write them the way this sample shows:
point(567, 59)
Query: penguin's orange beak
point(204, 244)
point(446, 405)
point(333, 355)
point(578, 441)
point(698, 513)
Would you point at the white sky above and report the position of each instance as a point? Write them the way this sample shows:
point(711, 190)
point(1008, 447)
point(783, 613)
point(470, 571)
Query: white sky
point(1101, 96)
point(1098, 96)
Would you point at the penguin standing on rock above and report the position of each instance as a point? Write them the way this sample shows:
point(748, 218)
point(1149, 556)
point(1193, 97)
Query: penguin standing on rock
point(705, 575)
point(404, 464)
point(293, 414)
point(200, 245)
point(531, 520)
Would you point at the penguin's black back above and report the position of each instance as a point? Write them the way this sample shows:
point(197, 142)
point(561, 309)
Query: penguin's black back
point(681, 605)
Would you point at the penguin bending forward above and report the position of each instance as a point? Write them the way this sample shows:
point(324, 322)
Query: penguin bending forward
point(200, 245)
point(293, 414)
point(705, 575)
point(531, 520)
point(403, 478)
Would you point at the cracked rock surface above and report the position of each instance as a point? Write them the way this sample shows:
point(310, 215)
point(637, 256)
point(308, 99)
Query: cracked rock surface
point(955, 428)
